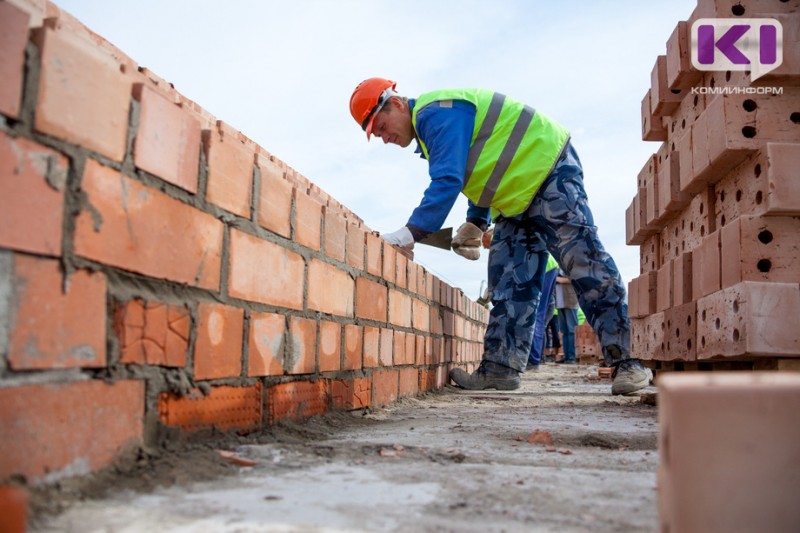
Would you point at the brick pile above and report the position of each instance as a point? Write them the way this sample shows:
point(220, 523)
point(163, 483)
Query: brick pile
point(716, 215)
point(160, 269)
point(587, 345)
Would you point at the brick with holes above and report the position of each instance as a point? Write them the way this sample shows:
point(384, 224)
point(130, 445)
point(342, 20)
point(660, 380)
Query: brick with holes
point(761, 249)
point(749, 319)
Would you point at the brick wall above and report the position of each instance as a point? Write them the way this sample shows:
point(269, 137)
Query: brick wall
point(158, 268)
point(717, 212)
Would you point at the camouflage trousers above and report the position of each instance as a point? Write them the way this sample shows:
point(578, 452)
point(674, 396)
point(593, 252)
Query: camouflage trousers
point(559, 221)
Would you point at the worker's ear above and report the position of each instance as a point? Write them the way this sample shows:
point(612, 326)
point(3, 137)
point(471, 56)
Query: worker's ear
point(395, 103)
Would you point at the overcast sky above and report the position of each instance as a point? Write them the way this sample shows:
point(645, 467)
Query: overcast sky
point(282, 72)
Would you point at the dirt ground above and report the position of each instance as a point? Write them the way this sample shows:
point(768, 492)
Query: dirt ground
point(447, 461)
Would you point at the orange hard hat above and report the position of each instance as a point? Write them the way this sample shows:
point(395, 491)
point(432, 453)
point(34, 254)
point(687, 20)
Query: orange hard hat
point(368, 98)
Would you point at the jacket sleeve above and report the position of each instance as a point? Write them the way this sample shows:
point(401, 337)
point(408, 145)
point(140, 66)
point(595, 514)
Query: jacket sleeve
point(447, 133)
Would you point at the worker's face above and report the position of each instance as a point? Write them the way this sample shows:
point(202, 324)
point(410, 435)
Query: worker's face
point(393, 124)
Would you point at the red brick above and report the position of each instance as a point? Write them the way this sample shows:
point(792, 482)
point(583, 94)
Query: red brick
point(51, 431)
point(13, 39)
point(127, 225)
point(652, 213)
point(399, 348)
point(437, 321)
point(761, 249)
point(218, 349)
point(682, 279)
point(680, 72)
point(297, 400)
point(301, 353)
point(275, 198)
point(663, 100)
point(371, 300)
point(230, 157)
point(330, 289)
point(632, 236)
point(720, 430)
point(401, 271)
point(374, 254)
point(419, 350)
point(428, 285)
point(652, 126)
point(265, 272)
point(718, 134)
point(371, 346)
point(647, 336)
point(351, 394)
point(664, 286)
point(385, 387)
point(335, 234)
point(684, 145)
point(267, 344)
point(308, 230)
point(32, 183)
point(167, 143)
point(84, 98)
point(421, 315)
point(51, 327)
point(387, 346)
point(410, 354)
point(330, 342)
point(152, 333)
point(670, 197)
point(224, 408)
point(355, 246)
point(706, 270)
point(750, 318)
point(413, 277)
point(687, 231)
point(680, 333)
point(389, 262)
point(409, 382)
point(13, 503)
point(783, 187)
point(399, 308)
point(353, 345)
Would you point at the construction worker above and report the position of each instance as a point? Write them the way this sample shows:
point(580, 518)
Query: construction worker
point(517, 167)
point(544, 312)
point(567, 305)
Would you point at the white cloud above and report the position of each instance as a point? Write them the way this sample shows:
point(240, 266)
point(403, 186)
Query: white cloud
point(282, 73)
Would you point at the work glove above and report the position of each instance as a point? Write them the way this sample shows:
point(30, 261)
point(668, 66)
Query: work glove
point(467, 242)
point(401, 238)
point(486, 240)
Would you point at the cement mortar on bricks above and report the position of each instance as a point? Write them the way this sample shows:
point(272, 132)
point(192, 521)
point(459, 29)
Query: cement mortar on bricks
point(453, 460)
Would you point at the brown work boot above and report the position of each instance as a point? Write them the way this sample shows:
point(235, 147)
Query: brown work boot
point(488, 376)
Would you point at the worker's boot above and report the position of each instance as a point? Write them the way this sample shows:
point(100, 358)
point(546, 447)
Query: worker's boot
point(629, 376)
point(488, 376)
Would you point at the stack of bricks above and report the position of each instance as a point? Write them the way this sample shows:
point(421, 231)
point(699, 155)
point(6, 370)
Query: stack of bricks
point(587, 345)
point(160, 269)
point(716, 212)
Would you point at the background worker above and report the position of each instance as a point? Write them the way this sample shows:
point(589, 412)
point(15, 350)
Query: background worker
point(517, 167)
point(544, 312)
point(567, 305)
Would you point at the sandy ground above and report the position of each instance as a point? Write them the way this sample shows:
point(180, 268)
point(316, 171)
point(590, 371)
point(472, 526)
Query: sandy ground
point(447, 461)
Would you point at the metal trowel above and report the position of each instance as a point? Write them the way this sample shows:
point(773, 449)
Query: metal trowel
point(439, 239)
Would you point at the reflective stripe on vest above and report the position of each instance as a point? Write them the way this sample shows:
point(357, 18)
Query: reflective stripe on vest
point(512, 151)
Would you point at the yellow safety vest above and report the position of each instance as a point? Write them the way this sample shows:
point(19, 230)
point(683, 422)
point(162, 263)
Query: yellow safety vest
point(512, 151)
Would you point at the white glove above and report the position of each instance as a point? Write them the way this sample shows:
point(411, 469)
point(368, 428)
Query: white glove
point(467, 241)
point(402, 238)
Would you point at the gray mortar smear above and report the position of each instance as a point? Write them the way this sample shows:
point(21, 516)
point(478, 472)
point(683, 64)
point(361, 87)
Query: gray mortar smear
point(453, 461)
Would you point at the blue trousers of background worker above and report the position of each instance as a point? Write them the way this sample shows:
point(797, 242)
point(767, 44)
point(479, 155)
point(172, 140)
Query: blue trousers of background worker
point(559, 221)
point(567, 321)
point(540, 324)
